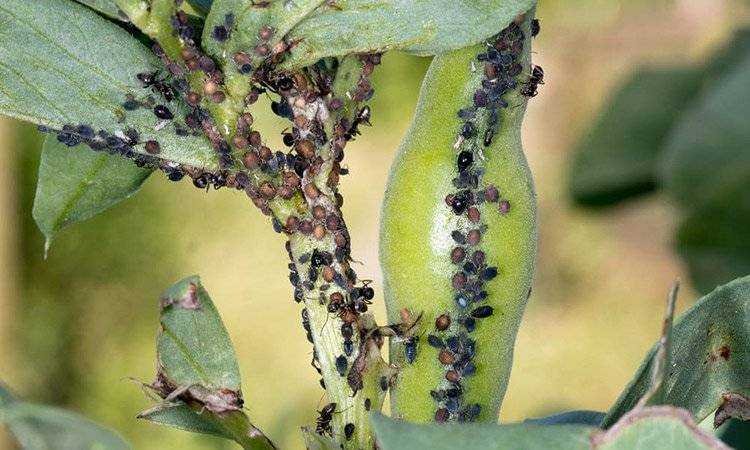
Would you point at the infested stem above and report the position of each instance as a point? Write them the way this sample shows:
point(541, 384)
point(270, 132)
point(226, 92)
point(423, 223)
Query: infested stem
point(298, 190)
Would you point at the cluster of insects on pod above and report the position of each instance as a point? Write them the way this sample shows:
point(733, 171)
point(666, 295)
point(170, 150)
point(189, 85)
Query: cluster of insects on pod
point(453, 330)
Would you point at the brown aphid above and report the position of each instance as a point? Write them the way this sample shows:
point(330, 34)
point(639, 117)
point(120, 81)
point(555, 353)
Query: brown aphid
point(152, 147)
point(333, 178)
point(490, 71)
point(446, 357)
point(473, 237)
point(340, 240)
point(291, 179)
point(301, 122)
point(265, 153)
point(262, 50)
point(210, 87)
point(252, 97)
point(319, 212)
point(279, 47)
point(300, 81)
point(247, 119)
point(267, 190)
point(328, 274)
point(452, 376)
point(442, 415)
point(241, 58)
point(240, 141)
point(218, 97)
point(335, 104)
point(319, 231)
point(192, 65)
point(305, 148)
point(292, 222)
point(478, 258)
point(187, 53)
point(286, 192)
point(251, 160)
point(491, 194)
point(254, 138)
point(473, 214)
point(336, 297)
point(265, 33)
point(311, 191)
point(459, 280)
point(442, 322)
point(193, 98)
point(504, 207)
point(305, 227)
point(333, 222)
point(457, 255)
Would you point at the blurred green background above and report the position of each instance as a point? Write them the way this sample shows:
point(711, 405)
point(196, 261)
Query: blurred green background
point(75, 328)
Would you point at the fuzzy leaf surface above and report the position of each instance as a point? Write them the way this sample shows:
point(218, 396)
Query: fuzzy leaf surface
point(398, 435)
point(107, 7)
point(75, 184)
point(709, 356)
point(38, 427)
point(61, 63)
point(194, 347)
point(424, 27)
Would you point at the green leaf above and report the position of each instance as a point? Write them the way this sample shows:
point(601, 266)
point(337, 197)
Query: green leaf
point(281, 16)
point(61, 63)
point(424, 27)
point(193, 347)
point(735, 433)
point(617, 158)
point(39, 427)
point(706, 155)
point(712, 241)
point(315, 441)
point(202, 6)
point(76, 183)
point(197, 367)
point(182, 417)
point(106, 7)
point(656, 428)
point(709, 356)
point(397, 435)
point(582, 417)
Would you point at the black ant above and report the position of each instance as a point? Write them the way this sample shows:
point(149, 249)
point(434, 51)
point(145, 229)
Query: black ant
point(323, 423)
point(157, 85)
point(535, 79)
point(363, 116)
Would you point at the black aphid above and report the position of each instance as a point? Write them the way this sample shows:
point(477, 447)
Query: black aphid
point(348, 431)
point(162, 112)
point(482, 312)
point(341, 365)
point(465, 159)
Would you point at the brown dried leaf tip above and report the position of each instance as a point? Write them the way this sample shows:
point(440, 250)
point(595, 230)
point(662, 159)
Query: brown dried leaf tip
point(188, 301)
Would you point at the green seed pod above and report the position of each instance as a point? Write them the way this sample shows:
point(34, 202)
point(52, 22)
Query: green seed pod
point(459, 232)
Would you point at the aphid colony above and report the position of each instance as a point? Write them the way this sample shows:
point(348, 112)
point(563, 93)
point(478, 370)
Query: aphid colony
point(451, 337)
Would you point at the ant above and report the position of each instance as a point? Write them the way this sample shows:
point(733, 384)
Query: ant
point(535, 79)
point(363, 116)
point(157, 85)
point(323, 423)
